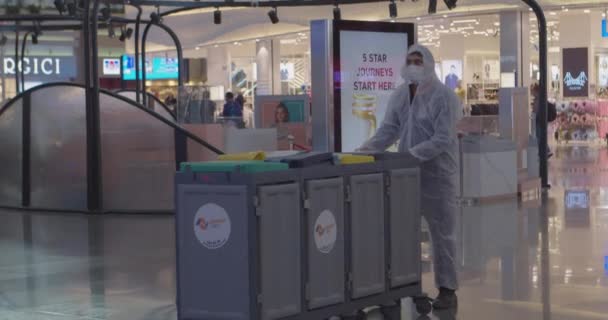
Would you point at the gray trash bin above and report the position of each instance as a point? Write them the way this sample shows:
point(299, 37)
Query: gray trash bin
point(325, 234)
point(367, 220)
point(403, 206)
point(238, 233)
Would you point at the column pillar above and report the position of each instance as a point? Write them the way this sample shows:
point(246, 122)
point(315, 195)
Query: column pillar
point(78, 48)
point(514, 45)
point(268, 62)
point(218, 68)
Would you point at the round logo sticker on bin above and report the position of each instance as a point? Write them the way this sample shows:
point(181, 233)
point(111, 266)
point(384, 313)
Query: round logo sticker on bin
point(212, 226)
point(325, 231)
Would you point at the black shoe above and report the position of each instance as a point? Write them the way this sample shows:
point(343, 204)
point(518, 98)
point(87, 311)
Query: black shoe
point(446, 299)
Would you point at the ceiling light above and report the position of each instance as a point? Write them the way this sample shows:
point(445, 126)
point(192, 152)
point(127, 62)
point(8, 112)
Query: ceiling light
point(60, 6)
point(273, 15)
point(106, 13)
point(215, 46)
point(451, 4)
point(37, 28)
point(432, 6)
point(392, 9)
point(418, 18)
point(587, 11)
point(125, 34)
point(337, 13)
point(217, 16)
point(71, 8)
point(445, 16)
point(111, 32)
point(497, 24)
point(553, 13)
point(465, 21)
point(155, 18)
point(197, 48)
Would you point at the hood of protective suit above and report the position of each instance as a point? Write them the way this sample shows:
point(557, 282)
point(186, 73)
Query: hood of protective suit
point(429, 66)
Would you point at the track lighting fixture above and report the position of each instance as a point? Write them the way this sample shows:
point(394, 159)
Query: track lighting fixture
point(111, 32)
point(337, 13)
point(125, 34)
point(71, 8)
point(217, 16)
point(37, 28)
point(34, 38)
point(3, 40)
point(155, 18)
point(273, 15)
point(60, 6)
point(451, 4)
point(432, 6)
point(106, 13)
point(392, 9)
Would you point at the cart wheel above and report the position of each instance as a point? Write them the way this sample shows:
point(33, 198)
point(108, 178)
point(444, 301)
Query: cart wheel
point(423, 305)
point(391, 312)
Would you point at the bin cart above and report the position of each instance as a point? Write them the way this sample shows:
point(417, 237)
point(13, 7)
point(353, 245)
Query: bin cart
point(238, 235)
point(289, 249)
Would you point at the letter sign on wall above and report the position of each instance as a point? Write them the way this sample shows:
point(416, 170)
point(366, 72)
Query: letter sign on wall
point(576, 72)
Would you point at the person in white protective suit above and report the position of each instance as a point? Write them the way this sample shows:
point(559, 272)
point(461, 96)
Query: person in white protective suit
point(422, 115)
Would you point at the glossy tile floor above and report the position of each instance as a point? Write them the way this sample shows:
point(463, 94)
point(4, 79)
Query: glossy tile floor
point(516, 261)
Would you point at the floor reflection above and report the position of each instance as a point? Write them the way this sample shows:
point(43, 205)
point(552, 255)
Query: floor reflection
point(517, 260)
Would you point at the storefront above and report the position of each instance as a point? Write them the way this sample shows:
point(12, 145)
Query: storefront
point(472, 57)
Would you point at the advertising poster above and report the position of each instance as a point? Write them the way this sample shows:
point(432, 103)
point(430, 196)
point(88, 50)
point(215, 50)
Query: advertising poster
point(491, 70)
point(288, 72)
point(370, 63)
point(452, 71)
point(111, 67)
point(602, 71)
point(576, 71)
point(287, 114)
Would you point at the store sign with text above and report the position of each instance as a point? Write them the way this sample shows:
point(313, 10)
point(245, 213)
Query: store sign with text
point(41, 68)
point(576, 72)
point(369, 57)
point(604, 29)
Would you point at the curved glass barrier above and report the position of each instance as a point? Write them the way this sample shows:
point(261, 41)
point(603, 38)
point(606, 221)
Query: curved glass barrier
point(11, 157)
point(153, 103)
point(58, 148)
point(138, 151)
point(138, 158)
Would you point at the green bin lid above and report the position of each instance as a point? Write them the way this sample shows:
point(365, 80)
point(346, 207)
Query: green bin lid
point(232, 166)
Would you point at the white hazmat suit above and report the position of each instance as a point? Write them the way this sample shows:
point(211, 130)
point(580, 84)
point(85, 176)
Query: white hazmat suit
point(426, 128)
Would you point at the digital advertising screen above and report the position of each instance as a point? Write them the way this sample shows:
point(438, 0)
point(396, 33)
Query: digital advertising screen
point(158, 68)
point(369, 58)
point(576, 72)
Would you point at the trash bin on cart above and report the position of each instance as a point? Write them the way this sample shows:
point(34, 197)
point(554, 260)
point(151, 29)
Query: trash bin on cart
point(238, 239)
point(300, 237)
point(403, 204)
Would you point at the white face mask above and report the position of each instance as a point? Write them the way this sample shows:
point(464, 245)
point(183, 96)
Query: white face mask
point(415, 73)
